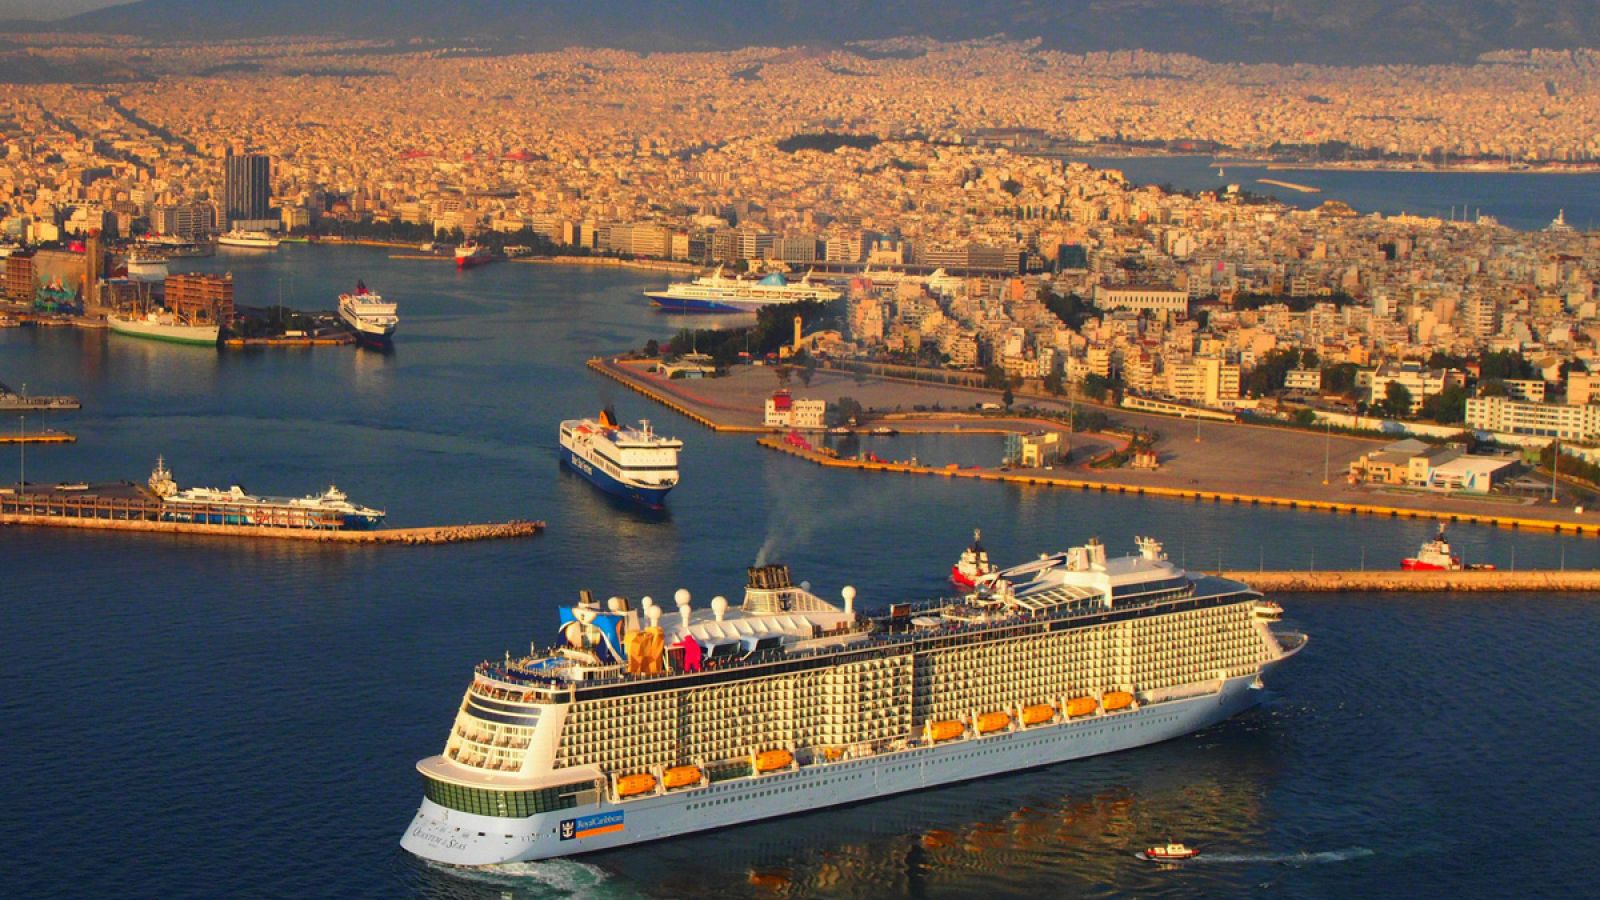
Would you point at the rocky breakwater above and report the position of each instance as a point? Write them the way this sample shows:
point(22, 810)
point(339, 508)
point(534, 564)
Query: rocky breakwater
point(1470, 581)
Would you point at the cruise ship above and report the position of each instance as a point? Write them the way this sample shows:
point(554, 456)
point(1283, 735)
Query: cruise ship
point(721, 293)
point(160, 325)
point(372, 318)
point(254, 240)
point(211, 506)
point(634, 463)
point(643, 723)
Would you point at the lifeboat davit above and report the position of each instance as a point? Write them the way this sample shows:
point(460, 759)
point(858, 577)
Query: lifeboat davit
point(945, 730)
point(1080, 706)
point(681, 776)
point(992, 721)
point(770, 760)
point(637, 783)
point(1115, 700)
point(1038, 713)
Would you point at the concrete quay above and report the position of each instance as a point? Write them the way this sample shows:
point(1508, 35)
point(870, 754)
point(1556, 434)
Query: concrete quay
point(1468, 581)
point(42, 437)
point(1189, 494)
point(438, 534)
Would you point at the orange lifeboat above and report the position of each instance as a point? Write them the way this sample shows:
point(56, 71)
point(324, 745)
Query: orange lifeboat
point(831, 754)
point(637, 783)
point(992, 721)
point(1039, 712)
point(945, 730)
point(680, 776)
point(768, 760)
point(1115, 700)
point(1080, 706)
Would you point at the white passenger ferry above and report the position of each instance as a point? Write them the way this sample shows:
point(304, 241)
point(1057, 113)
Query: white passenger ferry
point(370, 317)
point(645, 724)
point(633, 463)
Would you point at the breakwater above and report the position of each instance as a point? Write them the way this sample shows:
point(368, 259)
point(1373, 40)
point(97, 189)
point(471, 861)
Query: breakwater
point(438, 534)
point(41, 437)
point(1190, 494)
point(1469, 581)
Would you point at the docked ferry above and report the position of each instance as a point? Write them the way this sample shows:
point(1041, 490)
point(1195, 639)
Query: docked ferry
point(213, 506)
point(252, 240)
point(642, 723)
point(372, 318)
point(721, 293)
point(635, 463)
point(160, 325)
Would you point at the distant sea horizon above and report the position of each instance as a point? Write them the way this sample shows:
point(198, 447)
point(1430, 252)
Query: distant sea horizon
point(1526, 201)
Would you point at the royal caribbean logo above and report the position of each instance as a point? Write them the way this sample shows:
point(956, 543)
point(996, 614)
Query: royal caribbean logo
point(590, 826)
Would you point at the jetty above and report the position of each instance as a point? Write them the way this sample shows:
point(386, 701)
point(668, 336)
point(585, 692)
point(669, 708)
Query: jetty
point(48, 436)
point(1290, 185)
point(1465, 581)
point(133, 511)
point(1197, 495)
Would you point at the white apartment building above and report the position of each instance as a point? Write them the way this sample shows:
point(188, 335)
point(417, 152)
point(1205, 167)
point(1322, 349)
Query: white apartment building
point(784, 411)
point(1143, 298)
point(1572, 423)
point(1421, 383)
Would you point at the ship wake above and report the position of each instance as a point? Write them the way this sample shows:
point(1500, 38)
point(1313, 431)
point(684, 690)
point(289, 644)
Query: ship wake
point(1302, 858)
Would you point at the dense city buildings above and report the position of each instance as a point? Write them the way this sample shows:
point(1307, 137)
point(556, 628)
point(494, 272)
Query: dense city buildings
point(932, 174)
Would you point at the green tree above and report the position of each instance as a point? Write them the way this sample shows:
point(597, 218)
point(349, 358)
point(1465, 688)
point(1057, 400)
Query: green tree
point(1305, 418)
point(808, 371)
point(1446, 407)
point(1340, 378)
point(1053, 385)
point(1397, 401)
point(1097, 387)
point(1008, 398)
point(783, 374)
point(1494, 387)
point(994, 377)
point(847, 411)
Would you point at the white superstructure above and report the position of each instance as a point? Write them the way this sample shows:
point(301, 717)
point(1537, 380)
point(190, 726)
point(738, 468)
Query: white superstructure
point(635, 463)
point(644, 724)
point(368, 314)
point(256, 240)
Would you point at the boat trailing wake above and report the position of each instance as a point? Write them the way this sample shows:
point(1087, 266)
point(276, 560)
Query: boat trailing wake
point(557, 877)
point(1291, 859)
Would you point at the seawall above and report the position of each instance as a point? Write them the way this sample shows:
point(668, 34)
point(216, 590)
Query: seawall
point(440, 534)
point(1471, 581)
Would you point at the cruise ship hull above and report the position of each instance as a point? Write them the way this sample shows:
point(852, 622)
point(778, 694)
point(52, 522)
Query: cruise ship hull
point(668, 303)
point(198, 335)
point(653, 497)
point(457, 838)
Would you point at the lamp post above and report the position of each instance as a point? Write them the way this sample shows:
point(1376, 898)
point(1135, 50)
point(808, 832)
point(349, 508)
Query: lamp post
point(1327, 448)
point(22, 455)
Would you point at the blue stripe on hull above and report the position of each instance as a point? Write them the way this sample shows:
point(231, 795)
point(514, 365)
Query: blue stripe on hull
point(651, 497)
point(690, 305)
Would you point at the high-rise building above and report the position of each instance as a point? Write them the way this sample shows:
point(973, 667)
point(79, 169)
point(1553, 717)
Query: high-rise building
point(248, 193)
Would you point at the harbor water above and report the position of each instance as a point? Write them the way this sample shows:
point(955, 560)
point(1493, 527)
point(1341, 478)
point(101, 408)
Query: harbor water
point(195, 717)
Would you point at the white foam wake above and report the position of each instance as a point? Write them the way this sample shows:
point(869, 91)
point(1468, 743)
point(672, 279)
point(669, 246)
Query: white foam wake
point(1305, 857)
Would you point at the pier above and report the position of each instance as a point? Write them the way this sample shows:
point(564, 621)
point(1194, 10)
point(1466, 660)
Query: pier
point(40, 437)
point(135, 510)
point(1466, 581)
point(1195, 495)
point(1289, 185)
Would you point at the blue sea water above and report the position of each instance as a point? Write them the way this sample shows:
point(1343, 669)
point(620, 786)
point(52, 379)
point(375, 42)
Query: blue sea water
point(202, 717)
point(1522, 200)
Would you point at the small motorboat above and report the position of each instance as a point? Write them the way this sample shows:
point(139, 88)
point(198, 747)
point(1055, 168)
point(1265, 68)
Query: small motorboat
point(1170, 852)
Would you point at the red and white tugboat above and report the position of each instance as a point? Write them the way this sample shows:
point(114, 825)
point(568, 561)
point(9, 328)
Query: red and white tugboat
point(471, 254)
point(1435, 556)
point(973, 564)
point(1173, 852)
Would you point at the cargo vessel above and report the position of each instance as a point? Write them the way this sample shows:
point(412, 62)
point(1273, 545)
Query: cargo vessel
point(642, 723)
point(635, 463)
point(212, 506)
point(721, 293)
point(372, 318)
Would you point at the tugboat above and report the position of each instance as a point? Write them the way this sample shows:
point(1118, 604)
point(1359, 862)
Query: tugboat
point(1435, 556)
point(1171, 852)
point(472, 254)
point(973, 565)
